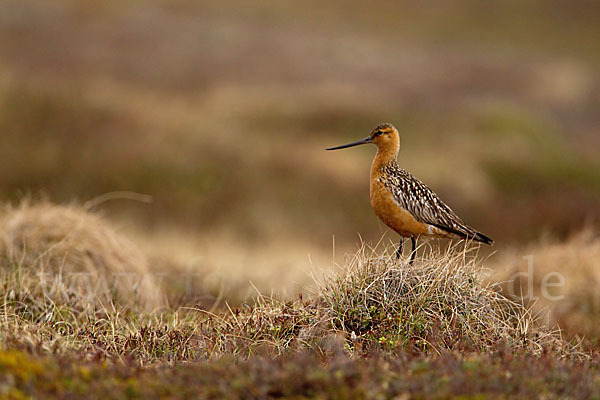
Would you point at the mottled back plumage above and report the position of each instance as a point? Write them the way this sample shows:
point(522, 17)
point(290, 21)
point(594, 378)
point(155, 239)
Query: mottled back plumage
point(418, 199)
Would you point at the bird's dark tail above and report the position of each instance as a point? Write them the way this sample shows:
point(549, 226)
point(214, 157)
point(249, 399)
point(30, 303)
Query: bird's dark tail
point(480, 237)
point(468, 233)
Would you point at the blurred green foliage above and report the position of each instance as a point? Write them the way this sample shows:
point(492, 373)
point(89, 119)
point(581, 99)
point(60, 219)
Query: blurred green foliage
point(221, 112)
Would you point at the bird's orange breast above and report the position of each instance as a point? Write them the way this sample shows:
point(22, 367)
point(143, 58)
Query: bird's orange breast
point(393, 215)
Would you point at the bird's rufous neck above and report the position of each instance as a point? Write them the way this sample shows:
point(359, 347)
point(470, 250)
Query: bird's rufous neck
point(386, 154)
point(383, 157)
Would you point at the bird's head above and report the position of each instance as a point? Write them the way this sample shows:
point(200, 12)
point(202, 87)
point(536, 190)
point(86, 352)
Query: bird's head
point(384, 136)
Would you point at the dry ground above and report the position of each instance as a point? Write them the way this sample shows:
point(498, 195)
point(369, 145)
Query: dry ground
point(86, 313)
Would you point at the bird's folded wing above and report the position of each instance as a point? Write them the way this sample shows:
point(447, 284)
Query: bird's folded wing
point(418, 199)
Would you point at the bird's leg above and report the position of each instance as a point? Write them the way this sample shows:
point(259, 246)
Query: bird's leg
point(414, 249)
point(399, 251)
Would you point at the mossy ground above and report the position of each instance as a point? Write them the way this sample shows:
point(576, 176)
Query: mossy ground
point(500, 374)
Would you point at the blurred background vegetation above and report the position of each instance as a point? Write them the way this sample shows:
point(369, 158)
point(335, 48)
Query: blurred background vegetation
point(220, 111)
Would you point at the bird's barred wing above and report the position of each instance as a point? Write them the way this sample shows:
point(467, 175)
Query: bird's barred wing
point(415, 197)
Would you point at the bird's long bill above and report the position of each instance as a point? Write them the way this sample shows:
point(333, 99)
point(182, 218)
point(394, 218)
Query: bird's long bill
point(358, 142)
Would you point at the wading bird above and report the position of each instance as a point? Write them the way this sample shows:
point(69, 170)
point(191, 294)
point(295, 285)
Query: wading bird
point(404, 203)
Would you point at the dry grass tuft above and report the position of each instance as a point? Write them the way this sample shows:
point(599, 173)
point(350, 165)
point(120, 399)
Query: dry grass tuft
point(439, 303)
point(69, 254)
point(560, 279)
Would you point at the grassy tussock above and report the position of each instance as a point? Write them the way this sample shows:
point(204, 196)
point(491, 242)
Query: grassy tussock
point(574, 303)
point(374, 305)
point(67, 255)
point(437, 304)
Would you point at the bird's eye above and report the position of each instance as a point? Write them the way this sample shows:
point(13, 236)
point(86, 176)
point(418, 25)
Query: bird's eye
point(378, 133)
